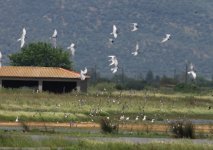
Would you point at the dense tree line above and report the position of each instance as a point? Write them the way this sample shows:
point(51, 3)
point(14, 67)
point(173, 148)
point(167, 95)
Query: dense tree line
point(177, 83)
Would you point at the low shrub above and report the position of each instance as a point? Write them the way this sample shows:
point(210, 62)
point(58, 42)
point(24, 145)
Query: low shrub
point(183, 129)
point(107, 126)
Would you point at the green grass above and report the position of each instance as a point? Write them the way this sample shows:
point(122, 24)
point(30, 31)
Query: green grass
point(127, 146)
point(86, 107)
point(59, 141)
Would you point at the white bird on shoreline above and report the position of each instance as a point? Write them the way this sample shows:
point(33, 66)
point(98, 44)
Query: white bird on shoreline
point(144, 118)
point(23, 36)
point(135, 27)
point(168, 36)
point(72, 49)
point(17, 119)
point(122, 117)
point(114, 31)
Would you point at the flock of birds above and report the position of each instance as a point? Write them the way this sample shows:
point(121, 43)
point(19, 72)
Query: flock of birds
point(114, 33)
point(135, 27)
point(54, 36)
point(113, 59)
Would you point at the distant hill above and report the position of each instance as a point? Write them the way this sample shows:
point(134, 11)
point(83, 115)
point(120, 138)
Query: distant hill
point(88, 23)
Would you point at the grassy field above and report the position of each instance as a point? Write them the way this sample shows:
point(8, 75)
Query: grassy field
point(54, 142)
point(30, 106)
point(91, 107)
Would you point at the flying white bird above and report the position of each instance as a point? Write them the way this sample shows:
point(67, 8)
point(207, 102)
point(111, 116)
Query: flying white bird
point(127, 118)
point(55, 33)
point(114, 69)
point(85, 71)
point(114, 31)
point(193, 74)
point(168, 36)
point(54, 37)
point(113, 60)
point(135, 27)
point(135, 53)
point(72, 49)
point(22, 39)
point(83, 74)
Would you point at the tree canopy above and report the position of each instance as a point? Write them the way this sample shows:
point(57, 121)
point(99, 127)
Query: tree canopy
point(41, 54)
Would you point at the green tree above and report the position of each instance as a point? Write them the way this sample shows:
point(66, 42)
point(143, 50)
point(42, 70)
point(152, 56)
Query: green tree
point(41, 54)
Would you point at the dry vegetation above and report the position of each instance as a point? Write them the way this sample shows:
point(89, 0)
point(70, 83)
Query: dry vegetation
point(93, 105)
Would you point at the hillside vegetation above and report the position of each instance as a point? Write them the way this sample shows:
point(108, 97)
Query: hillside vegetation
point(89, 23)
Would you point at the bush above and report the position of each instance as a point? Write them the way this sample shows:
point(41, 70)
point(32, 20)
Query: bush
point(182, 87)
point(107, 126)
point(183, 129)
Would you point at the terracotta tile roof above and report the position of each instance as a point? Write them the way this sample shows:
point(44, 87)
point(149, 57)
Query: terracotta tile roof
point(37, 72)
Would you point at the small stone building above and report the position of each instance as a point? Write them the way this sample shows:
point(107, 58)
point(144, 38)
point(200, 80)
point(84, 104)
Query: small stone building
point(52, 79)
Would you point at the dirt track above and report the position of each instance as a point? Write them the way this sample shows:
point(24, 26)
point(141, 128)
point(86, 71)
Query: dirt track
point(126, 127)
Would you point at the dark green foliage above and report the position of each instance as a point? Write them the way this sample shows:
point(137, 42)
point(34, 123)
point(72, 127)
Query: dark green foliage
point(202, 82)
point(182, 87)
point(167, 81)
point(124, 82)
point(41, 54)
point(183, 129)
point(131, 85)
point(107, 126)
